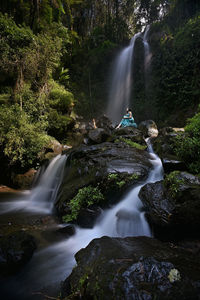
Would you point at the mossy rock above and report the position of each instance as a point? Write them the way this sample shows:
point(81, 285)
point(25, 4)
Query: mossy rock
point(133, 268)
point(173, 205)
point(91, 165)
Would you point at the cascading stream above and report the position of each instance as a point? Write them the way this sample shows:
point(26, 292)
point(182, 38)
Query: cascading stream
point(55, 263)
point(42, 197)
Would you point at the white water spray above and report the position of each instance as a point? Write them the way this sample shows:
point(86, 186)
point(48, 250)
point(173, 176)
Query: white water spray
point(42, 197)
point(121, 85)
point(120, 91)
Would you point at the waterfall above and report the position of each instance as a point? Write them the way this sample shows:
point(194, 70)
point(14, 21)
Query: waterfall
point(120, 91)
point(121, 84)
point(42, 197)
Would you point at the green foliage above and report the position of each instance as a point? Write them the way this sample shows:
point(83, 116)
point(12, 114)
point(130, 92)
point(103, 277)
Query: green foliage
point(112, 176)
point(21, 140)
point(133, 144)
point(187, 145)
point(86, 197)
point(133, 177)
point(58, 124)
point(61, 99)
point(15, 41)
point(60, 102)
point(172, 182)
point(121, 183)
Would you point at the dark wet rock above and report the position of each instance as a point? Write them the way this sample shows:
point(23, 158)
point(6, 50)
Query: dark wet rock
point(171, 163)
point(16, 250)
point(174, 208)
point(98, 135)
point(164, 145)
point(105, 123)
point(133, 268)
point(95, 164)
point(87, 216)
point(148, 128)
point(67, 230)
point(130, 133)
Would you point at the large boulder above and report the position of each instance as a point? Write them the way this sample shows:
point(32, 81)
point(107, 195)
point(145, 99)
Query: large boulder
point(98, 135)
point(148, 128)
point(87, 216)
point(133, 268)
point(173, 205)
point(16, 250)
point(130, 133)
point(110, 166)
point(105, 123)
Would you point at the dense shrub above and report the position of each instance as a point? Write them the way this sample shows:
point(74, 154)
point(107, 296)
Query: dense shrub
point(188, 144)
point(20, 140)
point(86, 197)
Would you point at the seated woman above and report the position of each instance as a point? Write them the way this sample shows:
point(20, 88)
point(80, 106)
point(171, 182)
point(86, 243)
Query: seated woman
point(127, 120)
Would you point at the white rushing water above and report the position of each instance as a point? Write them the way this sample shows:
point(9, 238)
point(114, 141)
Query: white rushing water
point(42, 197)
point(122, 81)
point(55, 263)
point(120, 91)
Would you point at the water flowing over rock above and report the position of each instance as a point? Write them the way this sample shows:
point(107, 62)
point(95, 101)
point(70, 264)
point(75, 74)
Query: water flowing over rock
point(42, 197)
point(121, 83)
point(174, 210)
point(122, 77)
point(133, 268)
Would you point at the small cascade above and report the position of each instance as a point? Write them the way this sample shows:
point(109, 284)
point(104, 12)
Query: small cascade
point(42, 197)
point(124, 219)
point(120, 91)
point(158, 172)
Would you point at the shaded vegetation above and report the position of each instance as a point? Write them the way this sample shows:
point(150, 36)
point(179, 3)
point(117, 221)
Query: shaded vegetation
point(85, 197)
point(187, 145)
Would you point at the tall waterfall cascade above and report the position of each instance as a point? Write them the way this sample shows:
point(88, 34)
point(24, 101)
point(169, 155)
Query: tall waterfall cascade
point(122, 81)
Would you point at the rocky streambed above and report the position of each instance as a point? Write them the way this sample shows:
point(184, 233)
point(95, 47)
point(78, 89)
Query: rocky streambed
point(114, 162)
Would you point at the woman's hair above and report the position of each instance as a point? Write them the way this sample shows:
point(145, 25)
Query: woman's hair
point(129, 109)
